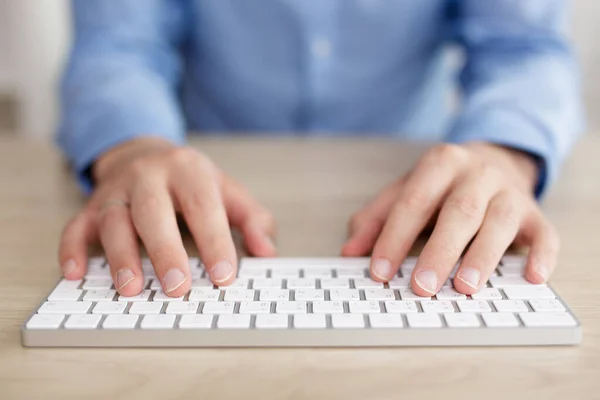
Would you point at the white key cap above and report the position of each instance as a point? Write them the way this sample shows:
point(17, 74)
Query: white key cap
point(409, 262)
point(233, 321)
point(271, 321)
point(39, 321)
point(218, 307)
point(155, 284)
point(364, 307)
point(252, 273)
point(510, 272)
point(343, 321)
point(124, 321)
point(65, 307)
point(83, 321)
point(350, 272)
point(379, 294)
point(94, 262)
point(100, 295)
point(317, 273)
point(424, 320)
point(310, 321)
point(401, 306)
point(90, 284)
point(161, 321)
point(309, 294)
point(447, 293)
point(511, 281)
point(344, 294)
point(201, 283)
point(510, 306)
point(459, 320)
point(144, 296)
point(530, 292)
point(535, 320)
point(303, 283)
point(97, 271)
point(328, 307)
point(255, 307)
point(59, 294)
point(408, 294)
point(473, 306)
point(182, 307)
point(437, 306)
point(239, 295)
point(364, 283)
point(500, 320)
point(335, 283)
point(240, 283)
point(285, 273)
point(514, 260)
point(159, 295)
point(151, 307)
point(487, 294)
point(546, 305)
point(290, 307)
point(194, 262)
point(205, 294)
point(271, 283)
point(494, 273)
point(197, 321)
point(65, 284)
point(399, 283)
point(109, 307)
point(274, 295)
point(386, 320)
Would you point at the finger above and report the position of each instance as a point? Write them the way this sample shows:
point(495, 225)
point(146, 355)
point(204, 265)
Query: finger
point(545, 245)
point(417, 201)
point(154, 219)
point(458, 222)
point(79, 233)
point(498, 230)
point(119, 241)
point(254, 221)
point(199, 198)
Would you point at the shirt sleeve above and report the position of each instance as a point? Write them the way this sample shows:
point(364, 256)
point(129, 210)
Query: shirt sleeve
point(122, 77)
point(520, 81)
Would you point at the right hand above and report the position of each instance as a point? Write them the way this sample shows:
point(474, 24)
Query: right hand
point(140, 187)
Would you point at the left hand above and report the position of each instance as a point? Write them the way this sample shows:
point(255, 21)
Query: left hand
point(483, 197)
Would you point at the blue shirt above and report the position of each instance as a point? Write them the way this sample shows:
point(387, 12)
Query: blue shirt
point(322, 67)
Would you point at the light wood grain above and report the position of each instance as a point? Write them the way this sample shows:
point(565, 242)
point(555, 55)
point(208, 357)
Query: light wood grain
point(312, 186)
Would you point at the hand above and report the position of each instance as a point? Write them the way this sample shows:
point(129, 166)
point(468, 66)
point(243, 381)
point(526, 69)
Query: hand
point(483, 195)
point(140, 186)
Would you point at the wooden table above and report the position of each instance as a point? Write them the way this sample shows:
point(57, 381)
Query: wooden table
point(312, 186)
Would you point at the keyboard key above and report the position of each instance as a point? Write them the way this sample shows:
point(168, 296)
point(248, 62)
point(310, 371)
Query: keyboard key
point(218, 307)
point(512, 281)
point(399, 283)
point(473, 306)
point(97, 271)
point(510, 306)
point(60, 294)
point(309, 294)
point(401, 306)
point(109, 307)
point(233, 321)
point(199, 283)
point(274, 294)
point(252, 273)
point(270, 283)
point(290, 307)
point(546, 305)
point(379, 294)
point(124, 321)
point(365, 283)
point(143, 296)
point(310, 321)
point(240, 283)
point(155, 284)
point(513, 260)
point(536, 320)
point(408, 294)
point(317, 273)
point(459, 320)
point(159, 295)
point(424, 320)
point(529, 292)
point(255, 307)
point(448, 293)
point(39, 321)
point(500, 320)
point(197, 321)
point(96, 262)
point(386, 321)
point(239, 295)
point(271, 321)
point(90, 284)
point(351, 272)
point(205, 294)
point(100, 295)
point(66, 284)
point(182, 307)
point(65, 307)
point(301, 283)
point(335, 283)
point(151, 307)
point(328, 307)
point(83, 321)
point(344, 321)
point(437, 306)
point(161, 321)
point(285, 273)
point(364, 307)
point(344, 294)
point(487, 294)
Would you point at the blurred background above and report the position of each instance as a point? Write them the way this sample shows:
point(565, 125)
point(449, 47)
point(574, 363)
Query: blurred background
point(35, 36)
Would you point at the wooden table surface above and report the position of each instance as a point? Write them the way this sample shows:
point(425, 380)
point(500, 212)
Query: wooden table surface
point(312, 186)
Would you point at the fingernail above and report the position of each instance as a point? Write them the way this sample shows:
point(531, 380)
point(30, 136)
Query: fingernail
point(124, 277)
point(543, 272)
point(470, 276)
point(173, 279)
point(68, 267)
point(382, 269)
point(221, 272)
point(427, 280)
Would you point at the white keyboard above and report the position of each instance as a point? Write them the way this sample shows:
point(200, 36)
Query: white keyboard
point(306, 302)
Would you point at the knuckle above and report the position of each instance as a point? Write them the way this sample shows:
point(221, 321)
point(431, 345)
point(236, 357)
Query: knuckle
point(467, 205)
point(181, 155)
point(415, 200)
point(505, 211)
point(138, 167)
point(147, 205)
point(448, 153)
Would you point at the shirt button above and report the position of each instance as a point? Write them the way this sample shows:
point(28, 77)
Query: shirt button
point(321, 48)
